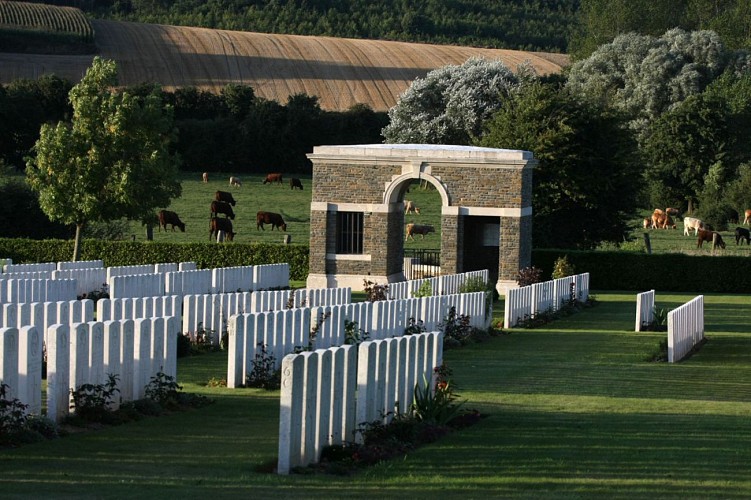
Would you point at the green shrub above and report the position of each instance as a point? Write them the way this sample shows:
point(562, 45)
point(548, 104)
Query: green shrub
point(122, 253)
point(562, 268)
point(425, 290)
point(665, 272)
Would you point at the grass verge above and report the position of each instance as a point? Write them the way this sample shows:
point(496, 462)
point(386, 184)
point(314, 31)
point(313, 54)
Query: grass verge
point(573, 410)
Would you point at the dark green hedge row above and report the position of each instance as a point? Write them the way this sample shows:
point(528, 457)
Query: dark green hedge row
point(123, 253)
point(665, 272)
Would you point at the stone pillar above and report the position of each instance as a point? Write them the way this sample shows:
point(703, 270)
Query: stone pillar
point(452, 243)
point(515, 250)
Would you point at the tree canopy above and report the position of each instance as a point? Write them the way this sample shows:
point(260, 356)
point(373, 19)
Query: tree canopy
point(111, 161)
point(645, 76)
point(449, 105)
point(588, 178)
point(600, 21)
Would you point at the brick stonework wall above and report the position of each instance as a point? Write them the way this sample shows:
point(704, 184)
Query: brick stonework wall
point(483, 187)
point(341, 183)
point(451, 244)
point(474, 181)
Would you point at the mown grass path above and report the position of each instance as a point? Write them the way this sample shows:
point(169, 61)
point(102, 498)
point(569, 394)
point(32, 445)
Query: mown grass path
point(573, 411)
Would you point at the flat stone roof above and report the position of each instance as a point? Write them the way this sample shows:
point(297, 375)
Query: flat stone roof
point(421, 151)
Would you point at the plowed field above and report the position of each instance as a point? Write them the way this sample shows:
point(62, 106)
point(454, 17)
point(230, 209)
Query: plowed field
point(341, 72)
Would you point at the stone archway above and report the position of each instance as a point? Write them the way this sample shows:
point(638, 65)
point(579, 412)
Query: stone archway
point(357, 214)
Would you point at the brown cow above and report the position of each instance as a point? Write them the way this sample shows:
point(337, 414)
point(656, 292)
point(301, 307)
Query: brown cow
point(712, 236)
point(167, 217)
point(747, 220)
point(217, 224)
point(225, 197)
point(413, 229)
point(295, 183)
point(270, 218)
point(222, 207)
point(273, 178)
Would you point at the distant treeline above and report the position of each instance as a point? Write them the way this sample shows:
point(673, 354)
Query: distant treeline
point(540, 25)
point(234, 131)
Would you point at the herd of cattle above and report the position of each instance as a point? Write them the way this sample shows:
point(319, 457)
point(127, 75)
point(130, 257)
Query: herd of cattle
point(220, 228)
point(663, 219)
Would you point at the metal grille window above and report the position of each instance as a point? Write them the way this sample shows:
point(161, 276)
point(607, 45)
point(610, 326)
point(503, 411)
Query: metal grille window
point(349, 232)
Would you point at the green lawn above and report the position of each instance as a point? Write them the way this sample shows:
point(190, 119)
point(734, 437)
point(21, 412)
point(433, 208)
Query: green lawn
point(573, 411)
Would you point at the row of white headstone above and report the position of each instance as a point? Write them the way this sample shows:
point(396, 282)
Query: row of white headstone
point(134, 351)
point(327, 392)
point(685, 323)
point(449, 284)
point(212, 311)
point(283, 332)
point(530, 300)
point(30, 283)
point(685, 328)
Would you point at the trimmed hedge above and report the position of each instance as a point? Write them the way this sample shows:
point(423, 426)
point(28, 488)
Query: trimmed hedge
point(123, 253)
point(608, 270)
point(663, 272)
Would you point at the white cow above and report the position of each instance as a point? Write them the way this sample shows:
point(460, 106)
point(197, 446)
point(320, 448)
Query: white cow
point(692, 223)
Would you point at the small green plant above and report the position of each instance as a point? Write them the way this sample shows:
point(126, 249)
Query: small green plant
point(659, 321)
point(93, 402)
point(425, 290)
point(354, 335)
point(264, 374)
point(375, 292)
point(13, 415)
point(163, 389)
point(456, 328)
point(415, 327)
point(205, 340)
point(529, 276)
point(435, 403)
point(562, 268)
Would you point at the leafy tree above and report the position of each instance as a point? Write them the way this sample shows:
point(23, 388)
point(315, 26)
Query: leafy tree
point(645, 76)
point(112, 161)
point(600, 21)
point(680, 147)
point(587, 180)
point(24, 106)
point(449, 105)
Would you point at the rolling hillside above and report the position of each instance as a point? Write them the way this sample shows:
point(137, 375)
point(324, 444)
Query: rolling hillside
point(341, 72)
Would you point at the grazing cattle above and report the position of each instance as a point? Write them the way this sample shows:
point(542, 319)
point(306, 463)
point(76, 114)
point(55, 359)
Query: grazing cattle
point(167, 217)
point(222, 207)
point(672, 211)
point(747, 220)
point(225, 197)
point(712, 236)
point(410, 207)
point(273, 178)
point(741, 233)
point(270, 218)
point(217, 224)
point(647, 223)
point(692, 223)
point(662, 221)
point(295, 183)
point(413, 229)
point(205, 177)
point(235, 182)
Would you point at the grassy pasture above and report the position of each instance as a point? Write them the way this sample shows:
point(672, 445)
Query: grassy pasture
point(673, 240)
point(293, 205)
point(573, 411)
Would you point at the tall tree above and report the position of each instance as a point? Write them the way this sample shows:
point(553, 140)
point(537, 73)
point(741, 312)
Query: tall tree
point(112, 160)
point(645, 76)
point(449, 105)
point(587, 180)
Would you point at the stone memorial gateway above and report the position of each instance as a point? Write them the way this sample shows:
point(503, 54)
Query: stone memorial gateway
point(357, 211)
